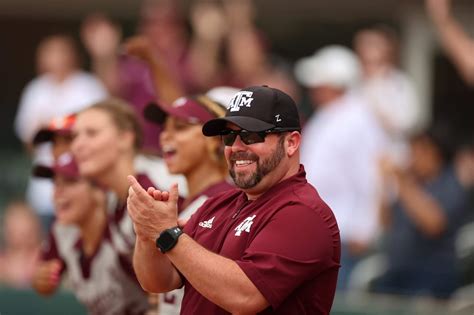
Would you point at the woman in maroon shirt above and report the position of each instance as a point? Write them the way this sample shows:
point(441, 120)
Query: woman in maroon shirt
point(107, 137)
point(85, 247)
point(200, 159)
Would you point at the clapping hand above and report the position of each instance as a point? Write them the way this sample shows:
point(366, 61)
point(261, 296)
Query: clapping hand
point(152, 211)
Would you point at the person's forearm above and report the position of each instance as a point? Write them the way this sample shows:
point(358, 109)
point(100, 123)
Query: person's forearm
point(154, 271)
point(205, 65)
point(167, 87)
point(458, 45)
point(107, 69)
point(219, 279)
point(425, 212)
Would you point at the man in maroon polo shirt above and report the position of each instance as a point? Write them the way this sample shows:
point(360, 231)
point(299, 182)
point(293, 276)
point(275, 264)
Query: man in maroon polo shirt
point(270, 247)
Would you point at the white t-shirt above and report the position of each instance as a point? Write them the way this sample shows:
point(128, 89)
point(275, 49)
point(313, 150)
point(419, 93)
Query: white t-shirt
point(393, 99)
point(340, 150)
point(44, 99)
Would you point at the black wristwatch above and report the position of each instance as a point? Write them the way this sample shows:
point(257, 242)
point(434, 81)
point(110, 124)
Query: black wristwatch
point(168, 239)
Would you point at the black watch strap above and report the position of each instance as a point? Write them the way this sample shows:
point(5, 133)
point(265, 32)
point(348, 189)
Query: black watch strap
point(168, 239)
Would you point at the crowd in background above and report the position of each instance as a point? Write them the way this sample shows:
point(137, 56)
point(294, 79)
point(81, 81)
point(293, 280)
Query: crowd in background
point(401, 189)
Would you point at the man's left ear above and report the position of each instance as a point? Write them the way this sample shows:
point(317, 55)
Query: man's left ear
point(293, 141)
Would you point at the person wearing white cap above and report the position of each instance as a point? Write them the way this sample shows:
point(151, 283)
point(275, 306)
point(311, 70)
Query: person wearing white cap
point(341, 146)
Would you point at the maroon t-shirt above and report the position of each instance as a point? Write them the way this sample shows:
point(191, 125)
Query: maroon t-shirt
point(287, 242)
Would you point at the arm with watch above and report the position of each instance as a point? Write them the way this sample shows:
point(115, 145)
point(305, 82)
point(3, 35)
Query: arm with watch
point(162, 249)
point(153, 269)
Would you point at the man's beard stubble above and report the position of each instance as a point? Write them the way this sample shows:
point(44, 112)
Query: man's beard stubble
point(264, 167)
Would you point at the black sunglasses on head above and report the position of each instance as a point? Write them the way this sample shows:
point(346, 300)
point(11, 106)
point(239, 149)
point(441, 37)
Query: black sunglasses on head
point(249, 137)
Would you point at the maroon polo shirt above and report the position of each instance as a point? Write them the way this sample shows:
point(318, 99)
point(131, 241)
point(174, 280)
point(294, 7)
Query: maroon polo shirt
point(286, 242)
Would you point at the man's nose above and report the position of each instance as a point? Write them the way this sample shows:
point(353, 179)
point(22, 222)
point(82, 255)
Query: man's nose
point(238, 145)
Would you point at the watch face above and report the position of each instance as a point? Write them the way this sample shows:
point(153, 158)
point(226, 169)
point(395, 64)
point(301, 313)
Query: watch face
point(168, 239)
point(165, 240)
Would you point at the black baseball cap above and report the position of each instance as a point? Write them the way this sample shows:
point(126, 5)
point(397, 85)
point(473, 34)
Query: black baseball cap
point(257, 108)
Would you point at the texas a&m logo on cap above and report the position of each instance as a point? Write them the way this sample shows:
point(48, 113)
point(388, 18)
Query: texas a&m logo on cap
point(242, 98)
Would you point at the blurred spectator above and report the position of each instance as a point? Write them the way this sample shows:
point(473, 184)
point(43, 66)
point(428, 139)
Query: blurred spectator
point(85, 247)
point(210, 28)
point(170, 50)
point(118, 64)
point(189, 60)
point(124, 75)
point(162, 60)
point(389, 92)
point(464, 165)
point(427, 207)
point(457, 43)
point(163, 24)
point(60, 89)
point(21, 233)
point(464, 162)
point(59, 133)
point(101, 38)
point(342, 143)
point(248, 55)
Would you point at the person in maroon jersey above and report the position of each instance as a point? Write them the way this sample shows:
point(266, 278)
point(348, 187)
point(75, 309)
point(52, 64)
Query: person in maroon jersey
point(270, 247)
point(200, 159)
point(107, 137)
point(85, 248)
point(186, 151)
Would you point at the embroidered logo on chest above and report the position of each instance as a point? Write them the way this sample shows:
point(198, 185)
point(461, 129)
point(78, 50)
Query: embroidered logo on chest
point(207, 224)
point(245, 225)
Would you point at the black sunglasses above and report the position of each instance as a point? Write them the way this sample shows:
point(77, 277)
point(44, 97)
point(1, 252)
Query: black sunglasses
point(249, 137)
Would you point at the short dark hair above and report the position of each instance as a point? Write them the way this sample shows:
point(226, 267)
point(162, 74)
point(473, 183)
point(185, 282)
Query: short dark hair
point(442, 136)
